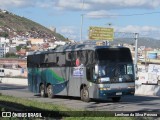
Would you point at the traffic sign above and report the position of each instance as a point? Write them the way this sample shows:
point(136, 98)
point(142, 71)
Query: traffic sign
point(101, 33)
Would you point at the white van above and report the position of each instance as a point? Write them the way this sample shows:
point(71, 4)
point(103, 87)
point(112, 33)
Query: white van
point(2, 72)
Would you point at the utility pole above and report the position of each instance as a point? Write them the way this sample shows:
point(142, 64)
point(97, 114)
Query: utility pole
point(81, 28)
point(136, 54)
point(109, 25)
point(81, 31)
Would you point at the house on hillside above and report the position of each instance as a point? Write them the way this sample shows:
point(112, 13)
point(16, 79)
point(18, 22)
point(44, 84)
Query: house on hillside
point(35, 48)
point(4, 40)
point(21, 52)
point(35, 41)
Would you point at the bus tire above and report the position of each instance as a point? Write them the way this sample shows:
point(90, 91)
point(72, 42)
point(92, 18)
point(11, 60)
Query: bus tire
point(85, 94)
point(50, 91)
point(42, 91)
point(116, 99)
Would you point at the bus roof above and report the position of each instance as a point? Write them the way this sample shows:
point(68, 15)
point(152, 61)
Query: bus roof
point(75, 47)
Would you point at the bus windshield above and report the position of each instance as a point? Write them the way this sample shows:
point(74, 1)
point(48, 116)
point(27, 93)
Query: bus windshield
point(116, 72)
point(114, 55)
point(115, 65)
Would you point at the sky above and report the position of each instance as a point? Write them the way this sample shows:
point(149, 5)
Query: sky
point(126, 16)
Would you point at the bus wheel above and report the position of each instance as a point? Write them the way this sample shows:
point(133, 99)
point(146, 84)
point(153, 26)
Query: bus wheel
point(85, 94)
point(42, 91)
point(116, 99)
point(50, 91)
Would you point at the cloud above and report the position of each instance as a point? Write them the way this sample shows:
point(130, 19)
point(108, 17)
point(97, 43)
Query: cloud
point(120, 4)
point(144, 31)
point(78, 4)
point(134, 28)
point(55, 4)
point(4, 4)
point(100, 14)
point(69, 4)
point(70, 32)
point(106, 4)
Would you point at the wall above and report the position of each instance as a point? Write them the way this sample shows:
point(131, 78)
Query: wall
point(15, 72)
point(20, 62)
point(16, 81)
point(153, 90)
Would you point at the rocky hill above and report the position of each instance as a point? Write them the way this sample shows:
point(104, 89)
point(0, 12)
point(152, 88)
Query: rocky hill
point(12, 25)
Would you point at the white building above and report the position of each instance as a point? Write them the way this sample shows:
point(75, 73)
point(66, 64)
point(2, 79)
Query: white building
point(20, 42)
point(59, 43)
point(4, 40)
point(3, 50)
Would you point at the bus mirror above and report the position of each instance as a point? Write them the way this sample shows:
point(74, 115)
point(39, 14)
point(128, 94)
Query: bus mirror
point(96, 69)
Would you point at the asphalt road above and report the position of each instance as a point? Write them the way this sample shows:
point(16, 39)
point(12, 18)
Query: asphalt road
point(132, 103)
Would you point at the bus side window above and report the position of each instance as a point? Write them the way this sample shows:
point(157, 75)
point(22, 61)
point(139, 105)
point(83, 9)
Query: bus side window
point(84, 57)
point(61, 59)
point(29, 61)
point(74, 57)
point(68, 59)
point(90, 73)
point(91, 57)
point(52, 59)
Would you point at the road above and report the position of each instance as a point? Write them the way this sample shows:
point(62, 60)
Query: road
point(132, 103)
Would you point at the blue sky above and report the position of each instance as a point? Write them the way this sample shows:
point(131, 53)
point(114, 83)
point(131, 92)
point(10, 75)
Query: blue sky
point(140, 16)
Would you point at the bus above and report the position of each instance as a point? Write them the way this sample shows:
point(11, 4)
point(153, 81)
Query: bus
point(81, 70)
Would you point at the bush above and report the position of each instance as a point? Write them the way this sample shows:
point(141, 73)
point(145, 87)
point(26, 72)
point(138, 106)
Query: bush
point(11, 55)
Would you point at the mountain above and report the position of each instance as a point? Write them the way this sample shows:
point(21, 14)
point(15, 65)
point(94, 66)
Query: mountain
point(142, 41)
point(13, 25)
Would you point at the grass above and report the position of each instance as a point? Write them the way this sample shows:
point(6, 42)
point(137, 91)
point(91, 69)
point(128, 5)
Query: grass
point(14, 103)
point(27, 104)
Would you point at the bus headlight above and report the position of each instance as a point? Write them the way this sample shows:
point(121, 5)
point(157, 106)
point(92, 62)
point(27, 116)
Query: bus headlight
point(131, 86)
point(103, 88)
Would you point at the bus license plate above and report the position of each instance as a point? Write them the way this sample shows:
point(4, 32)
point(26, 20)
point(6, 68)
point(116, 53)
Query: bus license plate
point(119, 93)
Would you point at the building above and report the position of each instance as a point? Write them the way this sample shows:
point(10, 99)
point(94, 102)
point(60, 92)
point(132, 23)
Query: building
point(35, 41)
point(21, 52)
point(4, 40)
point(3, 50)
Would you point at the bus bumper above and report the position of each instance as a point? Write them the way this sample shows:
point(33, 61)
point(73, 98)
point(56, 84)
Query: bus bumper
point(104, 94)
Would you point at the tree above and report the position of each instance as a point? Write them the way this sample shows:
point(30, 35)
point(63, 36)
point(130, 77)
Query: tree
point(4, 34)
point(11, 55)
point(18, 48)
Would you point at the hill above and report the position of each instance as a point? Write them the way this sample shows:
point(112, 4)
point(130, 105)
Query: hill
point(12, 25)
point(142, 41)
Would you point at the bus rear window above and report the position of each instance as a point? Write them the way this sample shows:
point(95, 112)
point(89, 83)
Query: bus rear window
point(114, 55)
